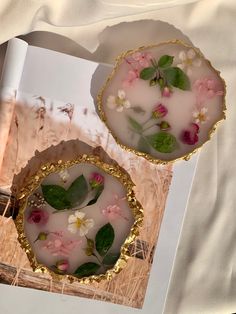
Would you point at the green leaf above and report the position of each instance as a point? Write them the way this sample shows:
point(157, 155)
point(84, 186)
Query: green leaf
point(147, 73)
point(86, 269)
point(135, 125)
point(78, 191)
point(104, 239)
point(98, 191)
point(111, 258)
point(165, 61)
point(177, 78)
point(56, 196)
point(143, 145)
point(162, 142)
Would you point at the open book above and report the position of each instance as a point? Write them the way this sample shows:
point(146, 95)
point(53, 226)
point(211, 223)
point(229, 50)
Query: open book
point(48, 97)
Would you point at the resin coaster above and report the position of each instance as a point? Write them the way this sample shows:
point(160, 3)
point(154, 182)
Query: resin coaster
point(162, 102)
point(78, 218)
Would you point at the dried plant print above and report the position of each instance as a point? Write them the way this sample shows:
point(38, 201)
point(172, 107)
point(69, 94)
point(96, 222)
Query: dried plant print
point(129, 286)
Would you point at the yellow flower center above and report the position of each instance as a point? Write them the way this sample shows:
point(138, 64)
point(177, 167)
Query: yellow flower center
point(79, 222)
point(189, 62)
point(201, 117)
point(119, 101)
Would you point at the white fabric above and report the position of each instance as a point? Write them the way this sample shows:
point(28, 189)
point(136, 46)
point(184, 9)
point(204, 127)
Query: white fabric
point(203, 278)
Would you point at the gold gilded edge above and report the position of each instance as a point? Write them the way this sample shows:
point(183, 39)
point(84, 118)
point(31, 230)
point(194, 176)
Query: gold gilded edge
point(34, 182)
point(148, 157)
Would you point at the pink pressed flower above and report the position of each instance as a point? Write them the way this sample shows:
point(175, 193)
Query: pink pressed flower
point(60, 247)
point(132, 76)
point(206, 89)
point(114, 211)
point(190, 136)
point(143, 58)
point(38, 216)
point(166, 92)
point(139, 60)
point(159, 111)
point(62, 265)
point(96, 180)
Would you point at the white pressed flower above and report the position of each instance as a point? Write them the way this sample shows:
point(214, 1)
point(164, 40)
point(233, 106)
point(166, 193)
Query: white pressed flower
point(64, 175)
point(78, 222)
point(188, 60)
point(111, 102)
point(118, 102)
point(200, 115)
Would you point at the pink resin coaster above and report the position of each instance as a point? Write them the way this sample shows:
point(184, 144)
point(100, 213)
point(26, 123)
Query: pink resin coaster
point(78, 218)
point(162, 102)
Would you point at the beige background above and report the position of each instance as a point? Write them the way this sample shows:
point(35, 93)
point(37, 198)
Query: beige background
point(203, 278)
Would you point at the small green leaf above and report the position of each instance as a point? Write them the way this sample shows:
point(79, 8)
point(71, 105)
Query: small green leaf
point(138, 109)
point(104, 239)
point(165, 61)
point(111, 258)
point(135, 125)
point(78, 191)
point(56, 196)
point(143, 145)
point(147, 73)
point(162, 142)
point(98, 191)
point(86, 269)
point(177, 78)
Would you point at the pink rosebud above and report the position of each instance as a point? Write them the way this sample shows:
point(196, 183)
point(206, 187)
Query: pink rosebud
point(62, 266)
point(190, 136)
point(159, 111)
point(166, 92)
point(96, 180)
point(38, 216)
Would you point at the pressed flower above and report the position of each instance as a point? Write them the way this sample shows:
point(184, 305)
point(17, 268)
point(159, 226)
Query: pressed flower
point(164, 125)
point(58, 246)
point(159, 111)
point(64, 175)
point(77, 222)
point(200, 115)
point(96, 180)
point(62, 265)
point(38, 216)
point(188, 60)
point(118, 102)
point(143, 58)
point(42, 236)
point(140, 60)
point(166, 92)
point(114, 211)
point(206, 88)
point(190, 136)
point(132, 76)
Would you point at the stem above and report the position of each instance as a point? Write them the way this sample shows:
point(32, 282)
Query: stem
point(149, 127)
point(97, 259)
point(150, 118)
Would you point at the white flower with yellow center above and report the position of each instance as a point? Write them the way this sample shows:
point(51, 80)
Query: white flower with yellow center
point(200, 115)
point(118, 102)
point(188, 60)
point(78, 222)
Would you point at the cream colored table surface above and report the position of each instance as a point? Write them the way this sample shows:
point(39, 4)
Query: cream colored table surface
point(204, 274)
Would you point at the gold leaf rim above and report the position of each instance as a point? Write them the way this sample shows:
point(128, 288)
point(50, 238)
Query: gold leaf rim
point(34, 182)
point(147, 156)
